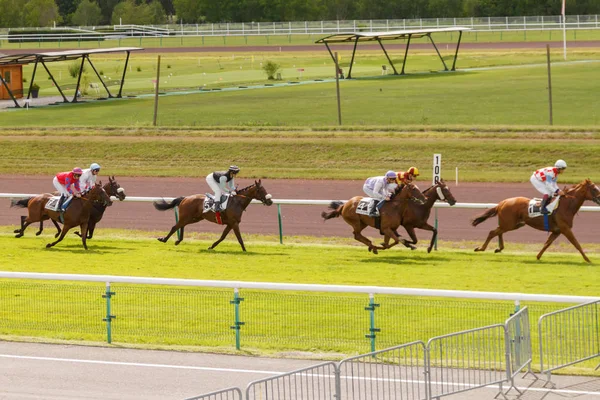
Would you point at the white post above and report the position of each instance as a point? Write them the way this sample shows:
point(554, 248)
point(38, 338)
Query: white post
point(564, 36)
point(437, 174)
point(456, 176)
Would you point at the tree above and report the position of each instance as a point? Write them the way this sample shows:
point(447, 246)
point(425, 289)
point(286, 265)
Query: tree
point(125, 12)
point(156, 13)
point(190, 11)
point(107, 7)
point(66, 8)
point(88, 13)
point(41, 13)
point(12, 15)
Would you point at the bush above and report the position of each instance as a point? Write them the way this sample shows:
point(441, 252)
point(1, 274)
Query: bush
point(74, 68)
point(271, 69)
point(139, 69)
point(35, 86)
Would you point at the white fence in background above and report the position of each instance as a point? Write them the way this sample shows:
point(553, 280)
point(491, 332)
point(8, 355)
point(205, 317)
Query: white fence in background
point(477, 24)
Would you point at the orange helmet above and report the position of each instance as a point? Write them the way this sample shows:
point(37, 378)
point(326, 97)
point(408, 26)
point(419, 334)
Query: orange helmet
point(414, 171)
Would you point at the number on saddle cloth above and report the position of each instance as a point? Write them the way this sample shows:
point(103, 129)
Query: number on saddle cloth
point(209, 202)
point(366, 205)
point(535, 207)
point(52, 204)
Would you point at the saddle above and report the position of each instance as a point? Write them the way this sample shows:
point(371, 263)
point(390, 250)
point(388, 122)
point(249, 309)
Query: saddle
point(209, 202)
point(52, 204)
point(367, 204)
point(535, 207)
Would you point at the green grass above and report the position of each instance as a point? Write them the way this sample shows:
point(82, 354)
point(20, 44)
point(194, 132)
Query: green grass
point(480, 155)
point(275, 321)
point(290, 40)
point(515, 96)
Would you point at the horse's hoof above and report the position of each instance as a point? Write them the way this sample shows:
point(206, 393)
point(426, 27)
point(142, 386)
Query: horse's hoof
point(38, 233)
point(49, 245)
point(477, 249)
point(16, 231)
point(19, 235)
point(177, 242)
point(375, 251)
point(428, 250)
point(57, 235)
point(412, 247)
point(497, 251)
point(77, 233)
point(370, 249)
point(161, 240)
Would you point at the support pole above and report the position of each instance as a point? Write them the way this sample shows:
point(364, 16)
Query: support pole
point(456, 52)
point(349, 76)
point(156, 90)
point(337, 87)
point(237, 323)
point(107, 295)
point(55, 83)
point(99, 77)
point(330, 53)
point(372, 329)
point(438, 52)
point(78, 80)
point(32, 77)
point(123, 77)
point(549, 84)
point(388, 57)
point(280, 224)
point(10, 93)
point(405, 54)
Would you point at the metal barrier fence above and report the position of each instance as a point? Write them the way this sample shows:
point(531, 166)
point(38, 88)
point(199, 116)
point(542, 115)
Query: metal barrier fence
point(225, 394)
point(517, 23)
point(569, 336)
point(316, 383)
point(518, 339)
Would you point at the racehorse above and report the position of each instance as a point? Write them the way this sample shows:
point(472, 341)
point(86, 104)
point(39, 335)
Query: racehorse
point(513, 214)
point(391, 215)
point(416, 215)
point(112, 188)
point(37, 212)
point(191, 211)
point(78, 212)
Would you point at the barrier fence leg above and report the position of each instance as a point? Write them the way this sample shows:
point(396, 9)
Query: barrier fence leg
point(177, 219)
point(280, 224)
point(237, 323)
point(372, 329)
point(107, 295)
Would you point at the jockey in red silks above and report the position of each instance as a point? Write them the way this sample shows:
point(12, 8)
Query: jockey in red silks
point(67, 184)
point(545, 181)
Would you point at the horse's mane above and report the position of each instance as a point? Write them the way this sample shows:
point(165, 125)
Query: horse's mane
point(246, 188)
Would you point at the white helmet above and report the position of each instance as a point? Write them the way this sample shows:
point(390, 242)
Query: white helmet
point(95, 167)
point(560, 164)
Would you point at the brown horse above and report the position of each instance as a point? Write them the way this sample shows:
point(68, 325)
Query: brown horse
point(512, 214)
point(112, 188)
point(391, 215)
point(416, 215)
point(191, 211)
point(78, 212)
point(37, 212)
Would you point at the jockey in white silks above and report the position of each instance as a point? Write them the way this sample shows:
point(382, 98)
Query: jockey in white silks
point(545, 181)
point(222, 182)
point(380, 188)
point(88, 178)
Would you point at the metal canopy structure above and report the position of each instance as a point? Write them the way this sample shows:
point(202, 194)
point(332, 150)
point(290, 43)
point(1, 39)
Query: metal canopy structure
point(392, 35)
point(43, 58)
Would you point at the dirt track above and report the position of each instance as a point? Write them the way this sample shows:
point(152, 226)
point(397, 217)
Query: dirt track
point(297, 220)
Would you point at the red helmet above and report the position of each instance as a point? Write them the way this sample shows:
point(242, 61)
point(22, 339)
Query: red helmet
point(77, 171)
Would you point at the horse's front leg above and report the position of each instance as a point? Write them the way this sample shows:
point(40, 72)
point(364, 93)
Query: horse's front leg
point(549, 241)
point(180, 238)
point(238, 235)
point(61, 237)
point(57, 228)
point(84, 233)
point(223, 236)
point(91, 227)
point(569, 235)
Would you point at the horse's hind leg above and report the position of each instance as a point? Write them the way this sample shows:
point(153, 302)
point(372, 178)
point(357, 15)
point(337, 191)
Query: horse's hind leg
point(174, 229)
point(22, 223)
point(180, 238)
point(500, 243)
point(491, 235)
point(38, 233)
point(549, 241)
point(57, 228)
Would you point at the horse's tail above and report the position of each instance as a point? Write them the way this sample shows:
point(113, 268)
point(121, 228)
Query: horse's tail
point(23, 203)
point(336, 207)
point(162, 205)
point(487, 214)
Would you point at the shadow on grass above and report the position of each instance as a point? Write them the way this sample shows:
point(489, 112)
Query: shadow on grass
point(241, 253)
point(399, 258)
point(78, 248)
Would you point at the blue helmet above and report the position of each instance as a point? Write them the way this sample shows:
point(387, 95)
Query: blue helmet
point(95, 167)
point(391, 175)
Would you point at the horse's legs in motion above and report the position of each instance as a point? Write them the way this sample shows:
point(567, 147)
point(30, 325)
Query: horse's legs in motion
point(223, 236)
point(173, 230)
point(91, 227)
point(500, 243)
point(57, 228)
point(179, 240)
point(38, 233)
point(84, 233)
point(569, 235)
point(491, 235)
point(358, 236)
point(549, 241)
point(61, 237)
point(238, 235)
point(21, 232)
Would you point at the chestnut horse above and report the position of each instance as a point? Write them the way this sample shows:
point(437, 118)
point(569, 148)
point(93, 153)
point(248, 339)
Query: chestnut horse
point(416, 215)
point(391, 215)
point(78, 213)
point(191, 211)
point(512, 214)
point(37, 212)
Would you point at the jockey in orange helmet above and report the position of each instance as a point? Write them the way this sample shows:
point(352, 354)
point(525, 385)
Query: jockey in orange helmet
point(408, 176)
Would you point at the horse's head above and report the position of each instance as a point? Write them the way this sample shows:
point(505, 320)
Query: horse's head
point(112, 188)
point(99, 195)
point(591, 191)
point(261, 194)
point(443, 192)
point(410, 191)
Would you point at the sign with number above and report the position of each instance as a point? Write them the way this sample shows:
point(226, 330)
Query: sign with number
point(437, 168)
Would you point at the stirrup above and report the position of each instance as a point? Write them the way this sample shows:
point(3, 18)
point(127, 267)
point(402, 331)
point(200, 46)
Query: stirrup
point(545, 211)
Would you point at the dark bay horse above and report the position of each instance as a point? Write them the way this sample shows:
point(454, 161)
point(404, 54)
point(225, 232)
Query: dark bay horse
point(37, 212)
point(112, 188)
point(78, 213)
point(513, 214)
point(391, 215)
point(416, 215)
point(191, 211)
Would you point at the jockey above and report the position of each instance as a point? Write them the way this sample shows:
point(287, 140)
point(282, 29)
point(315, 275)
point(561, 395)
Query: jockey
point(222, 182)
point(67, 184)
point(407, 177)
point(380, 188)
point(544, 180)
point(88, 178)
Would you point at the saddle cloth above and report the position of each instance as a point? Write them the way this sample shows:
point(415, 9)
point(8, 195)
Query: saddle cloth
point(534, 209)
point(52, 204)
point(209, 202)
point(365, 205)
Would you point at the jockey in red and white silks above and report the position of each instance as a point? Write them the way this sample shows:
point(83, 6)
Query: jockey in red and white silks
point(545, 181)
point(222, 182)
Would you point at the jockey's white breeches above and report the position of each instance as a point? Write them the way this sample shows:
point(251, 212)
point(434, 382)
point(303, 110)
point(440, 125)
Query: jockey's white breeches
point(60, 187)
point(541, 186)
point(372, 194)
point(214, 185)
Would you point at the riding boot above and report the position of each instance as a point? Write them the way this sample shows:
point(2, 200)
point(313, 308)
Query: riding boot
point(545, 201)
point(372, 208)
point(60, 202)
